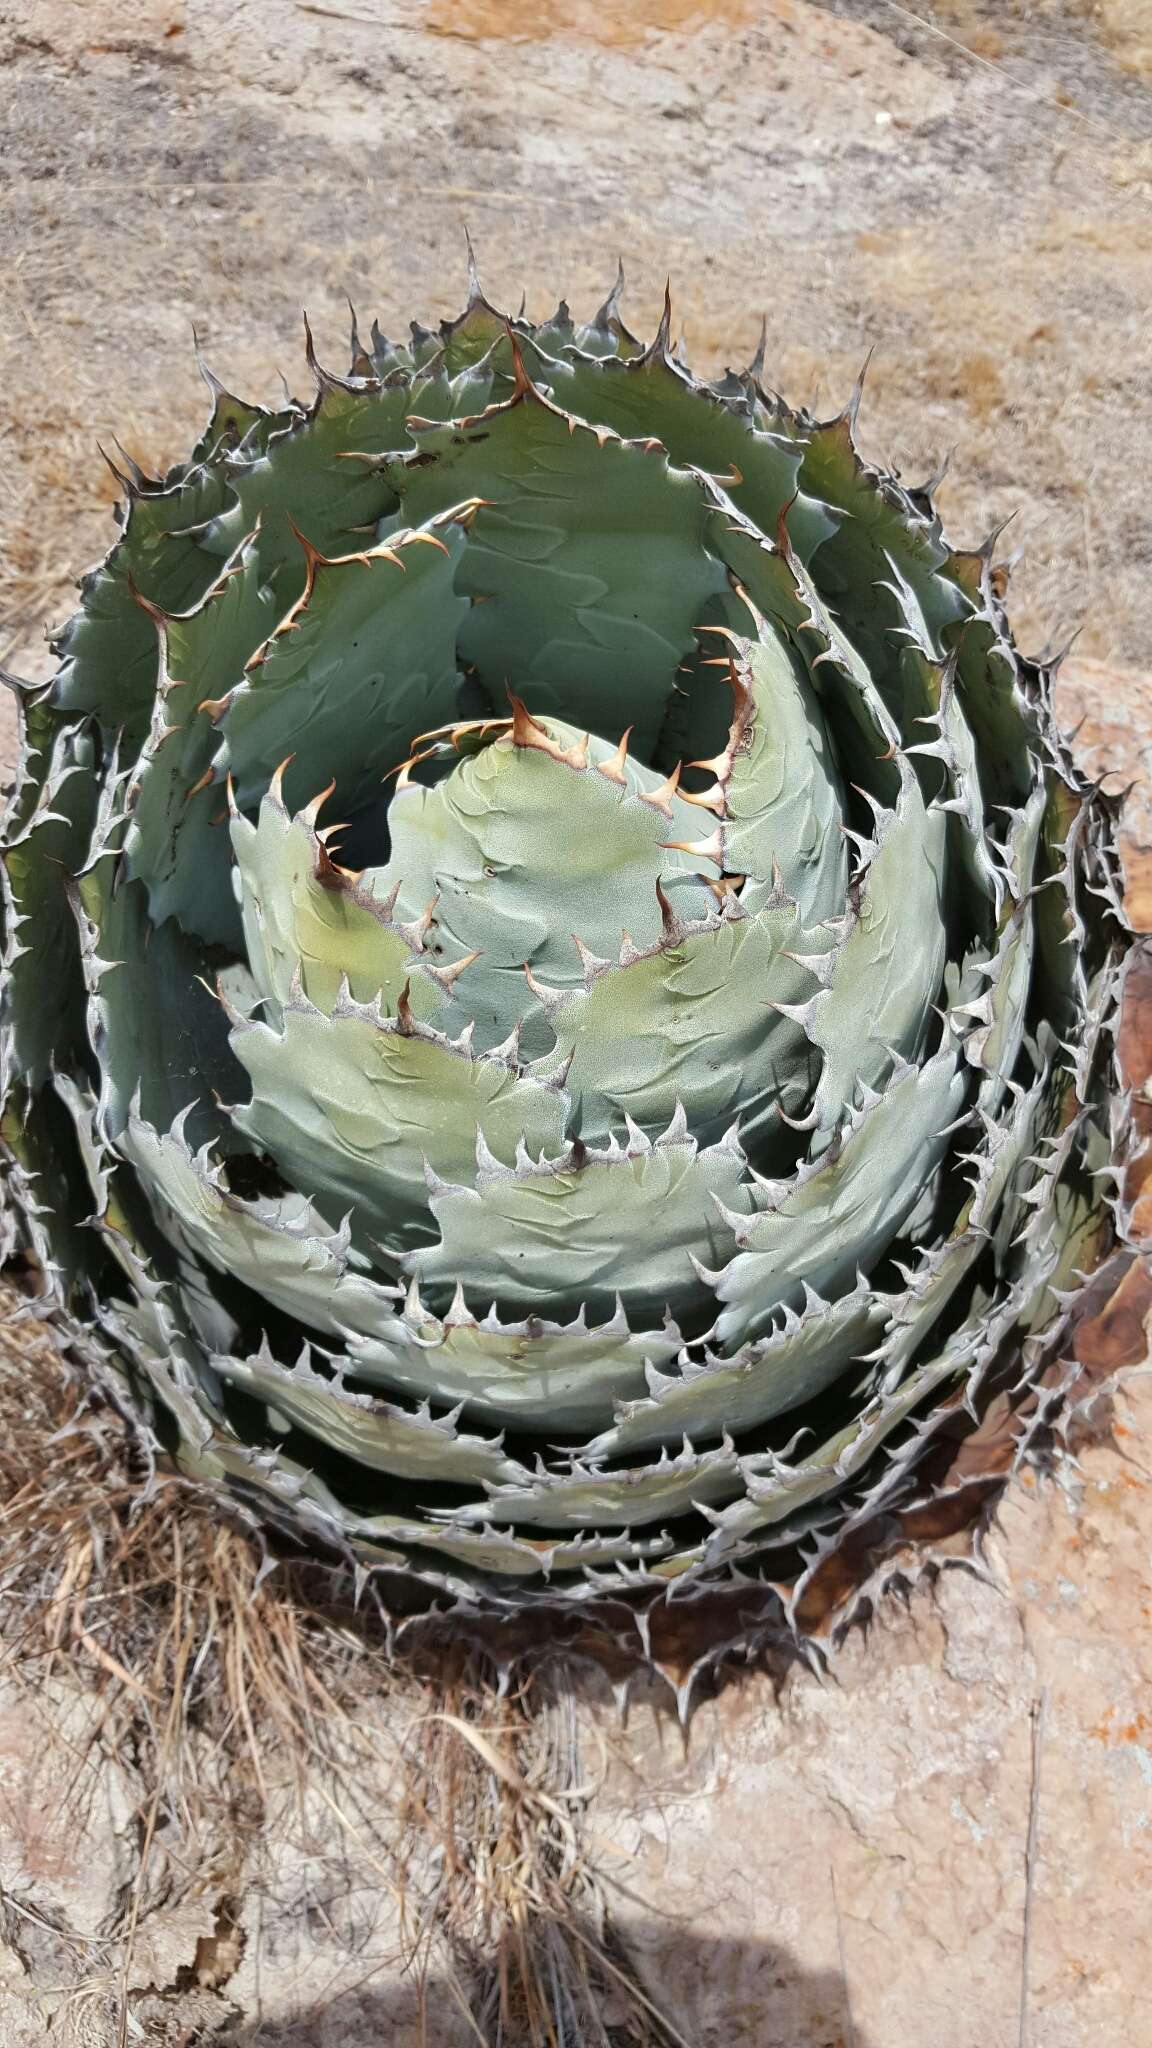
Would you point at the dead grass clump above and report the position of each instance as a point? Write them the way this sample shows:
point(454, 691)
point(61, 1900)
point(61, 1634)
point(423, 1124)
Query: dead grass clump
point(243, 1688)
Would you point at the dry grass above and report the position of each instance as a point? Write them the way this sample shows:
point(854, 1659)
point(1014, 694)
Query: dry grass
point(236, 1689)
point(990, 29)
point(56, 499)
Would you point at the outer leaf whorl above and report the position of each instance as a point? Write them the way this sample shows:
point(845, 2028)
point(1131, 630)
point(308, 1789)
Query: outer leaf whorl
point(561, 983)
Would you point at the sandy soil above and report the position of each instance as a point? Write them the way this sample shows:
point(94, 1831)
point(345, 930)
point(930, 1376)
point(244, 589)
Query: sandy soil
point(971, 194)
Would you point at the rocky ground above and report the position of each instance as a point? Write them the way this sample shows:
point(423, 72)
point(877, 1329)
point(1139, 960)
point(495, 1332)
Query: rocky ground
point(967, 188)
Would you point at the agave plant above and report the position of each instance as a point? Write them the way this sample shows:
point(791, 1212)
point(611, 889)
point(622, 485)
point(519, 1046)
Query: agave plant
point(561, 981)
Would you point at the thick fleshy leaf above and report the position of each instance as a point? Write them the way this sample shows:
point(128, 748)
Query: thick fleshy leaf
point(410, 1443)
point(624, 1219)
point(720, 1394)
point(585, 1496)
point(515, 1370)
point(160, 1036)
point(175, 843)
point(586, 563)
point(690, 1021)
point(360, 1110)
point(109, 659)
point(309, 928)
point(777, 789)
point(540, 849)
point(887, 971)
point(364, 659)
point(42, 998)
point(650, 394)
point(839, 1214)
point(657, 990)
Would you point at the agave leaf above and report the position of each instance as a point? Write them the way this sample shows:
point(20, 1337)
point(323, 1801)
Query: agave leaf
point(889, 966)
point(881, 529)
point(369, 649)
point(538, 839)
point(507, 1555)
point(583, 1496)
point(515, 1370)
point(310, 927)
point(945, 1267)
point(108, 650)
point(625, 1220)
point(586, 562)
point(41, 1002)
point(690, 1020)
point(303, 480)
point(174, 844)
point(994, 1046)
point(782, 800)
point(412, 1444)
point(1004, 726)
point(360, 1110)
point(161, 1037)
point(650, 395)
point(841, 1212)
point(805, 1355)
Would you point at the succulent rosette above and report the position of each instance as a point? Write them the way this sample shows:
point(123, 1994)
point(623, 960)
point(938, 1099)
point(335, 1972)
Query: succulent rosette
point(561, 982)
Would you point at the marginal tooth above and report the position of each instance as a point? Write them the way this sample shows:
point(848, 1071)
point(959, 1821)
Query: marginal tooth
point(528, 732)
point(236, 1018)
point(312, 811)
point(525, 731)
point(326, 871)
point(551, 1000)
point(663, 337)
point(403, 772)
point(661, 799)
point(614, 770)
point(637, 1141)
point(820, 965)
point(711, 848)
point(416, 931)
point(430, 540)
point(668, 917)
point(725, 887)
point(487, 1163)
point(445, 977)
point(458, 1317)
point(276, 786)
point(677, 1131)
point(592, 963)
point(706, 799)
point(216, 706)
point(755, 368)
point(508, 1049)
point(804, 1014)
point(460, 726)
point(404, 1017)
